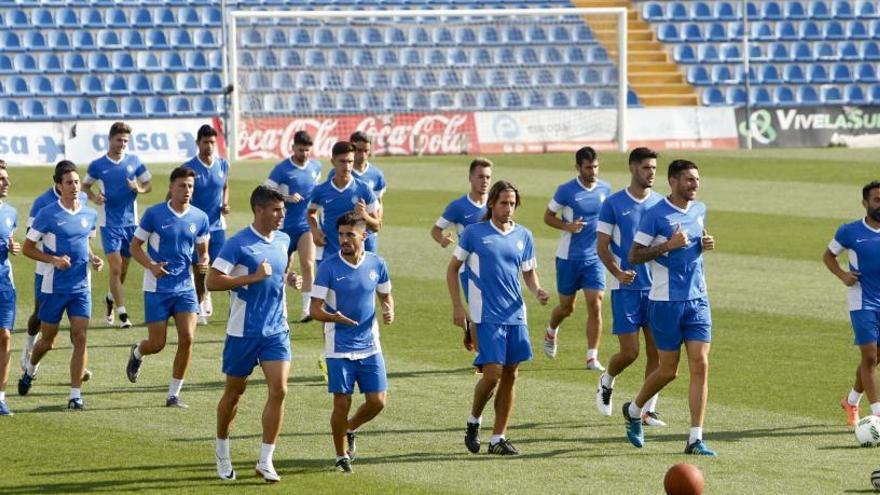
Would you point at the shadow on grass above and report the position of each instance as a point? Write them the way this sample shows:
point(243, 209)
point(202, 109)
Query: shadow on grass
point(115, 484)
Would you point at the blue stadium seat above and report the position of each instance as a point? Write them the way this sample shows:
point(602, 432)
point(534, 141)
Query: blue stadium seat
point(117, 85)
point(157, 106)
point(99, 62)
point(17, 19)
point(824, 51)
point(653, 12)
point(560, 34)
point(306, 80)
point(511, 99)
point(559, 99)
point(58, 109)
point(855, 94)
point(848, 51)
point(354, 80)
point(180, 106)
point(49, 63)
point(465, 101)
point(730, 52)
point(521, 77)
point(180, 38)
point(373, 37)
point(779, 53)
point(402, 79)
point(582, 99)
point(189, 83)
point(544, 77)
point(93, 18)
point(684, 54)
point(109, 40)
point(82, 107)
point(537, 34)
point(498, 78)
point(735, 31)
point(606, 99)
point(67, 18)
point(282, 81)
point(514, 35)
point(363, 58)
point(810, 31)
point(17, 86)
point(251, 38)
point(807, 95)
point(536, 99)
point(566, 77)
point(426, 79)
point(866, 73)
point(339, 58)
point(133, 107)
point(332, 80)
point(725, 11)
point(165, 17)
point(139, 84)
point(795, 10)
point(736, 96)
point(142, 18)
point(598, 54)
point(418, 102)
point(771, 11)
point(83, 40)
point(875, 93)
point(818, 74)
point(59, 41)
point(396, 37)
point(783, 95)
point(449, 78)
point(786, 31)
point(267, 59)
point(66, 86)
point(188, 16)
point(713, 97)
point(117, 18)
point(419, 36)
point(716, 32)
point(770, 75)
point(552, 55)
point(840, 73)
point(276, 38)
point(857, 30)
point(34, 41)
point(9, 41)
point(701, 11)
point(833, 30)
point(832, 94)
point(818, 9)
point(34, 109)
point(133, 40)
point(74, 62)
point(871, 50)
point(591, 77)
point(842, 10)
point(483, 56)
point(668, 33)
point(25, 63)
point(91, 85)
point(156, 39)
point(866, 9)
point(196, 61)
point(721, 75)
point(291, 59)
point(108, 107)
point(489, 35)
point(583, 34)
point(708, 54)
point(397, 102)
point(575, 55)
point(762, 31)
point(172, 62)
point(793, 74)
point(164, 84)
point(802, 52)
point(10, 110)
point(346, 102)
point(371, 101)
point(677, 11)
point(698, 76)
point(149, 62)
point(212, 16)
point(388, 58)
point(487, 100)
point(204, 105)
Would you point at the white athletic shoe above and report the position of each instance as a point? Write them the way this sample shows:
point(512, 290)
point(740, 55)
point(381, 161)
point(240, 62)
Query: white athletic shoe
point(209, 305)
point(550, 345)
point(202, 319)
point(267, 471)
point(604, 401)
point(651, 418)
point(224, 469)
point(595, 365)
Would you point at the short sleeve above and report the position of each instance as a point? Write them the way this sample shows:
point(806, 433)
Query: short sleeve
point(141, 172)
point(380, 185)
point(321, 285)
point(227, 259)
point(607, 219)
point(840, 242)
point(91, 173)
point(203, 236)
point(529, 261)
point(384, 286)
point(146, 227)
point(370, 199)
point(315, 203)
point(39, 227)
point(464, 247)
point(450, 215)
point(647, 230)
point(276, 180)
point(558, 201)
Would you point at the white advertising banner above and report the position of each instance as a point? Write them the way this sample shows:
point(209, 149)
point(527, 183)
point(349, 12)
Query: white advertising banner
point(154, 141)
point(24, 143)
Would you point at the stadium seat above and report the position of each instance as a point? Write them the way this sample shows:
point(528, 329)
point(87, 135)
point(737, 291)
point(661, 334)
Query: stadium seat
point(653, 12)
point(172, 62)
point(770, 75)
point(783, 95)
point(708, 54)
point(762, 31)
point(140, 84)
point(212, 16)
point(866, 9)
point(306, 80)
point(498, 78)
point(786, 31)
point(25, 63)
point(117, 85)
point(713, 97)
point(371, 101)
point(164, 84)
point(807, 95)
point(701, 11)
point(156, 39)
point(204, 105)
point(832, 94)
point(74, 62)
point(180, 106)
point(795, 10)
point(58, 109)
point(559, 99)
point(871, 50)
point(353, 80)
point(397, 102)
point(536, 99)
point(866, 73)
point(855, 94)
point(521, 77)
point(157, 106)
point(133, 40)
point(842, 9)
point(591, 77)
point(9, 41)
point(668, 33)
point(291, 59)
point(301, 37)
point(809, 31)
point(188, 16)
point(10, 110)
point(189, 83)
point(419, 102)
point(332, 80)
point(761, 96)
point(363, 58)
point(92, 18)
point(108, 107)
point(677, 11)
point(65, 86)
point(487, 100)
point(215, 60)
point(840, 73)
point(716, 32)
point(196, 61)
point(818, 9)
point(802, 52)
point(833, 30)
point(148, 62)
point(824, 51)
point(142, 18)
point(730, 53)
point(109, 40)
point(81, 107)
point(91, 85)
point(117, 18)
point(511, 99)
point(598, 54)
point(48, 63)
point(418, 36)
point(58, 40)
point(721, 75)
point(402, 79)
point(373, 37)
point(793, 74)
point(818, 74)
point(388, 58)
point(606, 99)
point(99, 62)
point(83, 40)
point(857, 30)
point(552, 55)
point(396, 37)
point(67, 18)
point(698, 76)
point(514, 35)
point(582, 99)
point(165, 17)
point(544, 77)
point(34, 41)
point(736, 96)
point(575, 55)
point(561, 34)
point(133, 107)
point(779, 53)
point(725, 11)
point(33, 109)
point(465, 101)
point(684, 54)
point(181, 39)
point(266, 59)
point(527, 56)
point(251, 38)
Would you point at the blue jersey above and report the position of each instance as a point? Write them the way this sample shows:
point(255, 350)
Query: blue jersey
point(289, 178)
point(678, 274)
point(65, 232)
point(351, 290)
point(258, 309)
point(460, 213)
point(208, 191)
point(171, 237)
point(8, 223)
point(120, 205)
point(371, 176)
point(494, 260)
point(334, 202)
point(579, 202)
point(862, 244)
point(619, 218)
point(48, 197)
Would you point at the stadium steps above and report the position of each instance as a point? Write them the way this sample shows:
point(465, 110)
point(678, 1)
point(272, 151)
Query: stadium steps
point(652, 75)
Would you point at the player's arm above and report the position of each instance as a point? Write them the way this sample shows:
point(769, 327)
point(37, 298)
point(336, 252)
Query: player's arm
point(141, 184)
point(554, 221)
point(137, 252)
point(97, 198)
point(642, 251)
point(224, 202)
point(204, 263)
point(603, 249)
point(317, 234)
point(830, 259)
point(370, 213)
point(534, 285)
point(442, 238)
point(219, 278)
point(317, 311)
point(459, 315)
point(387, 302)
point(30, 250)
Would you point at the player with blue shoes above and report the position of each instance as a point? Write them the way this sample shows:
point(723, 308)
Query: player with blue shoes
point(344, 298)
point(461, 212)
point(630, 284)
point(860, 240)
point(8, 223)
point(211, 195)
point(64, 228)
point(296, 178)
point(254, 267)
point(173, 232)
point(496, 251)
point(672, 238)
point(578, 267)
point(369, 174)
point(50, 196)
point(120, 177)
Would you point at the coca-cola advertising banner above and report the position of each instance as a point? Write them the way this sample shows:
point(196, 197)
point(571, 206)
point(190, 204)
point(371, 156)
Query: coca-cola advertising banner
point(394, 134)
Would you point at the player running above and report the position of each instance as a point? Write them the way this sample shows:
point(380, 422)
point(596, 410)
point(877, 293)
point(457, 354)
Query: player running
point(211, 195)
point(120, 177)
point(860, 239)
point(577, 265)
point(496, 250)
point(344, 298)
point(64, 228)
point(295, 178)
point(672, 238)
point(618, 224)
point(253, 265)
point(8, 224)
point(172, 231)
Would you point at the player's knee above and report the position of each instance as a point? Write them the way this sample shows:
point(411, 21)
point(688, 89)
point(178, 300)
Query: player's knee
point(278, 392)
point(565, 310)
point(629, 354)
point(668, 373)
point(184, 341)
point(869, 361)
point(700, 366)
point(5, 340)
point(77, 339)
point(377, 402)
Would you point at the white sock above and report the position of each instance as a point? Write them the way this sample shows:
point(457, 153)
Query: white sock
point(696, 434)
point(32, 368)
point(120, 310)
point(29, 341)
point(472, 420)
point(607, 380)
point(552, 331)
point(75, 393)
point(137, 352)
point(306, 302)
point(222, 448)
point(495, 439)
point(2, 395)
point(592, 354)
point(110, 297)
point(854, 398)
point(651, 405)
point(174, 387)
point(634, 411)
point(875, 409)
point(340, 457)
point(266, 451)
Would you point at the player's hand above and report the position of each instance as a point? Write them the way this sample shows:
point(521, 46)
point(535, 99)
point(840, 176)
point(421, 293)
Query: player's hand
point(294, 280)
point(61, 262)
point(344, 320)
point(320, 239)
point(293, 198)
point(542, 295)
point(387, 315)
point(158, 269)
point(203, 265)
point(707, 241)
point(679, 238)
point(14, 247)
point(446, 240)
point(224, 209)
point(361, 209)
point(133, 185)
point(468, 338)
point(574, 227)
point(850, 278)
point(264, 270)
point(99, 199)
point(459, 316)
point(626, 277)
point(96, 262)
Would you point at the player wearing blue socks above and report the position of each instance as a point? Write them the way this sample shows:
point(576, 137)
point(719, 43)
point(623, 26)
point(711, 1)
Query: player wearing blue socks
point(64, 228)
point(253, 266)
point(577, 265)
point(120, 178)
point(496, 251)
point(172, 231)
point(860, 240)
point(672, 238)
point(8, 223)
point(344, 298)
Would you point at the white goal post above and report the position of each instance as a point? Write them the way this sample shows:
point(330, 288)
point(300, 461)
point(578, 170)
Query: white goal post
point(403, 75)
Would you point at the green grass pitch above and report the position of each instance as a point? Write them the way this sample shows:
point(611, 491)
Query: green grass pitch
point(781, 360)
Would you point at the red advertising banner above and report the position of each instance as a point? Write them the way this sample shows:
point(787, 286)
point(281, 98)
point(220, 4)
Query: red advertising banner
point(393, 134)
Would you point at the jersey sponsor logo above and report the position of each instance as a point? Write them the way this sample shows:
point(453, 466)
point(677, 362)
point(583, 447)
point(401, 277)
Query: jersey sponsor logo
point(84, 222)
point(520, 245)
point(354, 200)
point(373, 275)
point(192, 228)
point(130, 169)
point(602, 198)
